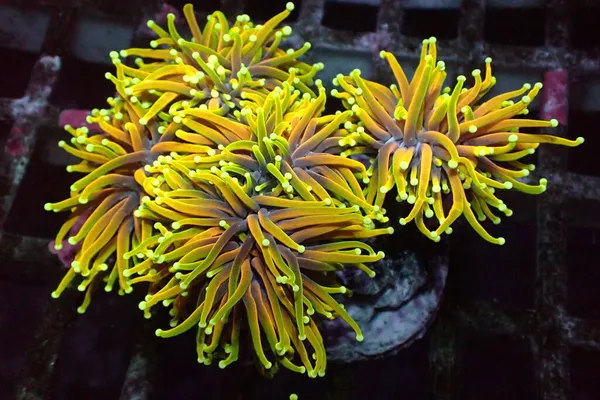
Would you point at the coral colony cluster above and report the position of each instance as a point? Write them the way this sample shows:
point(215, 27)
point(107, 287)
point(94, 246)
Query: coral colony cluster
point(217, 182)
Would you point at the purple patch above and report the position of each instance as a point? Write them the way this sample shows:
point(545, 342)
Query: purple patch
point(555, 103)
point(68, 251)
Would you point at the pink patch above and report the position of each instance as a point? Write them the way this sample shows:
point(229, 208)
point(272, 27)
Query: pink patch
point(160, 18)
point(68, 252)
point(14, 144)
point(77, 119)
point(66, 255)
point(16, 148)
point(555, 102)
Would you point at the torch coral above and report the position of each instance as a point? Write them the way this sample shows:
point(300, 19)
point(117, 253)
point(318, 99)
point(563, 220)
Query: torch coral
point(217, 180)
point(256, 233)
point(108, 194)
point(217, 68)
point(428, 141)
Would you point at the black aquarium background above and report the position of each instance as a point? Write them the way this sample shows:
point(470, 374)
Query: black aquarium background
point(521, 321)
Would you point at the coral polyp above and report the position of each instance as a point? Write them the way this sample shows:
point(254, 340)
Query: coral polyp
point(216, 68)
point(217, 182)
point(105, 198)
point(267, 270)
point(431, 142)
point(256, 238)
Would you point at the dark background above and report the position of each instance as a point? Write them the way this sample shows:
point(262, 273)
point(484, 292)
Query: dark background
point(520, 321)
